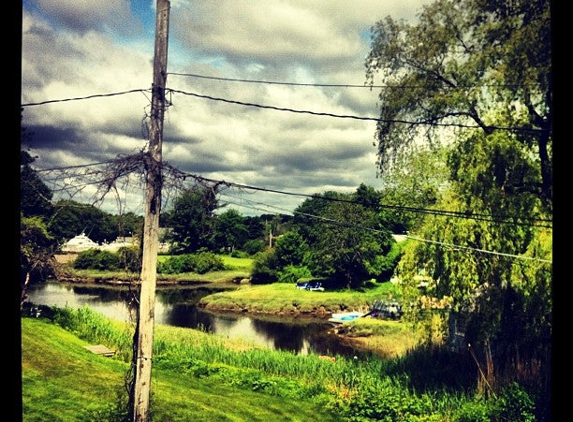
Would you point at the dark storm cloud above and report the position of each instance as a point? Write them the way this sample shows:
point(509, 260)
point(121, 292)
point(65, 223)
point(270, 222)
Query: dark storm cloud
point(72, 49)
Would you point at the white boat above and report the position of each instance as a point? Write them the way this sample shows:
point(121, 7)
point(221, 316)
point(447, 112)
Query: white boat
point(342, 317)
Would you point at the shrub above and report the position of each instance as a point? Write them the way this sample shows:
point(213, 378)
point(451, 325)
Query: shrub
point(264, 268)
point(177, 264)
point(476, 411)
point(239, 254)
point(293, 273)
point(515, 405)
point(208, 261)
point(130, 258)
point(97, 260)
point(253, 247)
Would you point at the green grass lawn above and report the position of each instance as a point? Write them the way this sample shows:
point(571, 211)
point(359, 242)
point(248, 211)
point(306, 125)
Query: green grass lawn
point(63, 381)
point(285, 297)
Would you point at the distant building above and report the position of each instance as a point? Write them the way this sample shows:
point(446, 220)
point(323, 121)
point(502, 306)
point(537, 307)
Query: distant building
point(82, 243)
point(120, 242)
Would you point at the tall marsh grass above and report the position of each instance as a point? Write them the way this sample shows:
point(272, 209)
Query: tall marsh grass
point(357, 389)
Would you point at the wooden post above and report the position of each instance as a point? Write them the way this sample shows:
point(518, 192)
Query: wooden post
point(143, 349)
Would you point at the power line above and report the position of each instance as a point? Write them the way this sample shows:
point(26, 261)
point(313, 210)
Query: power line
point(452, 245)
point(254, 81)
point(346, 116)
point(88, 97)
point(443, 213)
point(290, 110)
point(418, 239)
point(369, 86)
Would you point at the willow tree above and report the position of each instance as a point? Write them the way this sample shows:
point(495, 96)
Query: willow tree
point(478, 73)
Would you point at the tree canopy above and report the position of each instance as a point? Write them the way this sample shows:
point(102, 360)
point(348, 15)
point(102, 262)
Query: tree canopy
point(348, 237)
point(467, 65)
point(476, 76)
point(191, 219)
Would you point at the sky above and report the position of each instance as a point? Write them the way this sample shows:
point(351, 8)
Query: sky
point(76, 53)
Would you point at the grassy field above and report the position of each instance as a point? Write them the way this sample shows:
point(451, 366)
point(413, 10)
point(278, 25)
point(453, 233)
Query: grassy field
point(199, 376)
point(286, 298)
point(63, 381)
point(235, 269)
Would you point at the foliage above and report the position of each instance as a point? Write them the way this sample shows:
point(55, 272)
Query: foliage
point(35, 196)
point(515, 405)
point(484, 66)
point(201, 263)
point(191, 220)
point(98, 259)
point(264, 267)
point(472, 63)
point(208, 261)
point(384, 265)
point(291, 249)
point(415, 183)
point(253, 246)
point(130, 259)
point(71, 218)
point(36, 253)
point(293, 274)
point(230, 231)
point(347, 239)
point(127, 225)
point(507, 298)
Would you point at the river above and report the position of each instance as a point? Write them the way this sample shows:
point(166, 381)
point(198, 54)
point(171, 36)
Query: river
point(177, 306)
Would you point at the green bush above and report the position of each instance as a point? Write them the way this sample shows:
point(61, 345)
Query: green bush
point(96, 259)
point(264, 268)
point(293, 273)
point(200, 263)
point(208, 261)
point(177, 264)
point(130, 258)
point(476, 411)
point(515, 405)
point(253, 247)
point(239, 254)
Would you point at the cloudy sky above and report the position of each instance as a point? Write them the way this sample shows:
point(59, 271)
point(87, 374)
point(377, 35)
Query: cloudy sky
point(312, 50)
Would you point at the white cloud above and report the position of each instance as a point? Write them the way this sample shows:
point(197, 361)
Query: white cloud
point(74, 49)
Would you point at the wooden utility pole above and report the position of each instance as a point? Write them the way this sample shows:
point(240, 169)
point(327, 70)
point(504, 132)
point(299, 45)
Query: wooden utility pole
point(143, 338)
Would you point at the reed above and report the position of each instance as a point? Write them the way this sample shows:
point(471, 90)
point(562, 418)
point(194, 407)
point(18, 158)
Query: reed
point(356, 388)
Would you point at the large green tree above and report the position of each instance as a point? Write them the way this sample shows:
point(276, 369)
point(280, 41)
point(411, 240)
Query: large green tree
point(347, 236)
point(36, 253)
point(128, 224)
point(477, 74)
point(191, 219)
point(467, 63)
point(71, 218)
point(231, 231)
point(413, 187)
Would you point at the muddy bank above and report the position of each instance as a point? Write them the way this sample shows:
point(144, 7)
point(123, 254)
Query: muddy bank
point(118, 281)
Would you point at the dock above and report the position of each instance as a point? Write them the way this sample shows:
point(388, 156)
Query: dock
point(100, 349)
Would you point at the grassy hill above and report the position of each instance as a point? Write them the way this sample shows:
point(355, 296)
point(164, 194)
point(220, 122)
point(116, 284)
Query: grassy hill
point(63, 381)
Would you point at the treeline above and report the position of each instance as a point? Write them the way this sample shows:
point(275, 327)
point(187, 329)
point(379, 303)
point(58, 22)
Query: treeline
point(345, 238)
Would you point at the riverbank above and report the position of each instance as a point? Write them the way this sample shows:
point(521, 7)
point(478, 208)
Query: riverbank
point(381, 337)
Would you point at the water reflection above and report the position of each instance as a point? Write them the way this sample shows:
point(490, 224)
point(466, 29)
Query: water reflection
point(178, 307)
